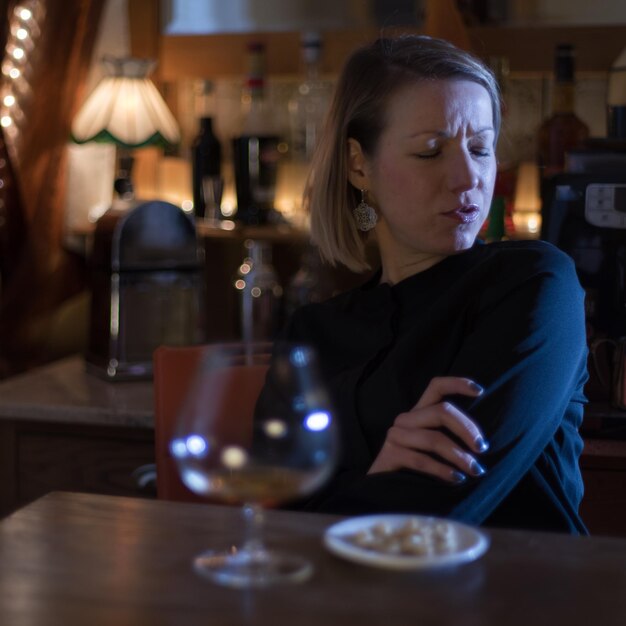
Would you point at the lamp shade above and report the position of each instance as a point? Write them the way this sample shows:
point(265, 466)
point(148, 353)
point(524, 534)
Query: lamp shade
point(126, 108)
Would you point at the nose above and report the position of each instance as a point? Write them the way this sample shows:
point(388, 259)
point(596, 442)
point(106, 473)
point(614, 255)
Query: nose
point(463, 172)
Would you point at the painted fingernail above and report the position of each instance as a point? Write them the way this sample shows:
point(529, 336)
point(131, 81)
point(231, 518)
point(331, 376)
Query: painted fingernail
point(458, 477)
point(476, 468)
point(481, 444)
point(476, 387)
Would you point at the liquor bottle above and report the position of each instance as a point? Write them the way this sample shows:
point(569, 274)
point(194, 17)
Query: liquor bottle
point(309, 284)
point(308, 106)
point(496, 229)
point(616, 98)
point(206, 171)
point(260, 293)
point(255, 150)
point(563, 130)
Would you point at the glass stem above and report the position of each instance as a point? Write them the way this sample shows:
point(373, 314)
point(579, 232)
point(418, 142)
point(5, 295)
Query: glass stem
point(253, 544)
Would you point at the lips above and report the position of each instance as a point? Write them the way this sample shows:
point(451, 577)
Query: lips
point(465, 214)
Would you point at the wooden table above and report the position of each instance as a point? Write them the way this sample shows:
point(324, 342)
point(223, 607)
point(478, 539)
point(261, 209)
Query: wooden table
point(77, 560)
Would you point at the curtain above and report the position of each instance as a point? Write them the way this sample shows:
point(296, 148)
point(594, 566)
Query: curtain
point(38, 274)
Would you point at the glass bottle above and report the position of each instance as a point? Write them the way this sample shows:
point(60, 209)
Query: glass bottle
point(496, 229)
point(309, 283)
point(260, 293)
point(616, 98)
point(563, 130)
point(255, 150)
point(308, 106)
point(206, 167)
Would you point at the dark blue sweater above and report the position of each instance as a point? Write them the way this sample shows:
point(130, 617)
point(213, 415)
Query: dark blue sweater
point(508, 315)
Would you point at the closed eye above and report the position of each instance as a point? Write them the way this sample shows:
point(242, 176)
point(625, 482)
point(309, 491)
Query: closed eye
point(428, 155)
point(480, 152)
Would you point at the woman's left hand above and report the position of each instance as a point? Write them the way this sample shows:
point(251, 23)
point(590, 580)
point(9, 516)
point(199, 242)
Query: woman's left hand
point(421, 440)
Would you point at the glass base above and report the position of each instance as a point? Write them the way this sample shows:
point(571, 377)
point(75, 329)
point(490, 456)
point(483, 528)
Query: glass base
point(245, 569)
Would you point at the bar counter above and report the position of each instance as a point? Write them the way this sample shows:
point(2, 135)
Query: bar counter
point(63, 428)
point(64, 392)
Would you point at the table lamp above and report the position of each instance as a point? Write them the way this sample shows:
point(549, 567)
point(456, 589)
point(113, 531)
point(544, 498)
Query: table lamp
point(126, 109)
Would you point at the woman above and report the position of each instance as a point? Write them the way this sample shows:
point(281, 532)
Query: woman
point(457, 372)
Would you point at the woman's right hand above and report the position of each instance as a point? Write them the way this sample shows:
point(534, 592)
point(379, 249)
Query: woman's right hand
point(417, 440)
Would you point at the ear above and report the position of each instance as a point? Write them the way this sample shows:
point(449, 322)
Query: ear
point(357, 165)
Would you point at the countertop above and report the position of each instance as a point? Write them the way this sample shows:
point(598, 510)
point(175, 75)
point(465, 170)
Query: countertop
point(64, 392)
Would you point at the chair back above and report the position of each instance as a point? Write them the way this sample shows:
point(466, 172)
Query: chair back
point(174, 370)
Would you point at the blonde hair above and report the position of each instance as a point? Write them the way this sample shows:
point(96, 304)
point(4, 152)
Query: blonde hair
point(369, 78)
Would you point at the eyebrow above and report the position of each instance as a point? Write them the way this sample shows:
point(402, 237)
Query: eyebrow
point(441, 133)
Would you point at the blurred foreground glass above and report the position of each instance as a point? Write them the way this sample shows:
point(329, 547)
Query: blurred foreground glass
point(226, 451)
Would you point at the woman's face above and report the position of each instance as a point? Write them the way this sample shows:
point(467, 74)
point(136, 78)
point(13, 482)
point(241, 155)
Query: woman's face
point(432, 174)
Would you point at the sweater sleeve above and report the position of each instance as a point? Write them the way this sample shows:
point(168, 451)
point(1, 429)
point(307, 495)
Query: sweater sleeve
point(531, 338)
point(526, 346)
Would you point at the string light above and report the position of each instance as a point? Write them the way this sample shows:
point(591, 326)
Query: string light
point(24, 14)
point(24, 29)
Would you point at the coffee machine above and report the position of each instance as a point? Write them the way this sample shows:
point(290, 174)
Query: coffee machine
point(584, 214)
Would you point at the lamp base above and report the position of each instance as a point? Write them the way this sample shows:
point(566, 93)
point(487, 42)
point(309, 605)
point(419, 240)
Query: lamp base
point(123, 184)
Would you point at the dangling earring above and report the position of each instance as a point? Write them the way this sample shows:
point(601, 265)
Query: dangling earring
point(364, 215)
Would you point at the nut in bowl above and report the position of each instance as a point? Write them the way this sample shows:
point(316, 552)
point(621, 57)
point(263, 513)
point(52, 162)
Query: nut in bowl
point(413, 537)
point(405, 541)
